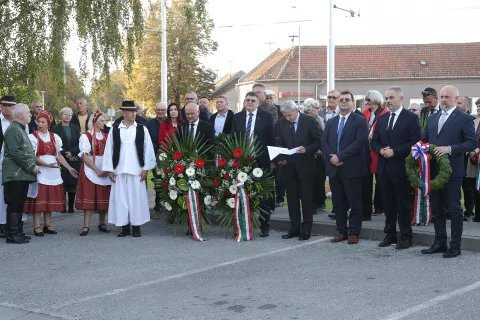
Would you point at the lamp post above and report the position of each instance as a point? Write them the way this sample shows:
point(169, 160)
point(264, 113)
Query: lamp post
point(299, 60)
point(331, 47)
point(43, 99)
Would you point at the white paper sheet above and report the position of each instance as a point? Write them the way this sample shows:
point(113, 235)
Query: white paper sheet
point(275, 151)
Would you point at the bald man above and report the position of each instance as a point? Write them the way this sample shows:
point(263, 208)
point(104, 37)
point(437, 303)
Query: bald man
point(196, 128)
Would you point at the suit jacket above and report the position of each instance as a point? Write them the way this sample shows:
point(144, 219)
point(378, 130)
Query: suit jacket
point(308, 135)
point(227, 128)
point(263, 131)
point(405, 133)
point(73, 145)
point(457, 132)
point(205, 132)
point(75, 121)
point(353, 145)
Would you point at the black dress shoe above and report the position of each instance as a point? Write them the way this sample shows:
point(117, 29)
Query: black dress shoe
point(103, 228)
point(38, 234)
point(264, 232)
point(125, 231)
point(84, 231)
point(3, 231)
point(331, 216)
point(291, 235)
point(136, 231)
point(49, 230)
point(188, 232)
point(452, 253)
point(305, 236)
point(404, 244)
point(388, 241)
point(435, 248)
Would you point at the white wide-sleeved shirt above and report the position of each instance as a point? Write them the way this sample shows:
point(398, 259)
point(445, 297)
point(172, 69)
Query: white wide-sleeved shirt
point(128, 160)
point(85, 148)
point(48, 176)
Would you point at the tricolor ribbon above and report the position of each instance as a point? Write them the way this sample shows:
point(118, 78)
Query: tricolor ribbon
point(242, 215)
point(193, 205)
point(422, 212)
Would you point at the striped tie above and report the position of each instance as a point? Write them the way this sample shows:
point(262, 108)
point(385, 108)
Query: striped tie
point(249, 123)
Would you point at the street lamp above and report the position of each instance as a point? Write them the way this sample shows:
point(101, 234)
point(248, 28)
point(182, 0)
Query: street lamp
point(331, 47)
point(299, 61)
point(43, 99)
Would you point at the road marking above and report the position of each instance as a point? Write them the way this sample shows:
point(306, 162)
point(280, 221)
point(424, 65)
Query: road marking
point(186, 274)
point(431, 302)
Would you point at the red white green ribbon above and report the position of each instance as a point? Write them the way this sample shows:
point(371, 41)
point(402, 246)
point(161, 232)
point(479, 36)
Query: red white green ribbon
point(194, 218)
point(242, 215)
point(422, 212)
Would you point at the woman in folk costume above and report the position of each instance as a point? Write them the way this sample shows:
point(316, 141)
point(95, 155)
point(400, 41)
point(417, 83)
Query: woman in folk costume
point(93, 190)
point(128, 157)
point(50, 196)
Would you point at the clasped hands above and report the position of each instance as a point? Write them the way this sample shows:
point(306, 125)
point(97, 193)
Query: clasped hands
point(143, 175)
point(386, 152)
point(334, 160)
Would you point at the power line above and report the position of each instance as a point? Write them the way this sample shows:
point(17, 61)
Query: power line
point(264, 24)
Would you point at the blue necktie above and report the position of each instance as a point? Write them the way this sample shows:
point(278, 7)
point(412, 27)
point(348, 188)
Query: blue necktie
point(249, 124)
point(339, 133)
point(292, 129)
point(191, 130)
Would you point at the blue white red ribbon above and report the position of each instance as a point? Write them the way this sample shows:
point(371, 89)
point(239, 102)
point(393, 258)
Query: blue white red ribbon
point(242, 215)
point(194, 217)
point(422, 212)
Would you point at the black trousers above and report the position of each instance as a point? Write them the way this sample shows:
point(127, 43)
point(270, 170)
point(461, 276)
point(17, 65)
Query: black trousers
point(449, 197)
point(319, 194)
point(367, 195)
point(346, 193)
point(377, 197)
point(397, 201)
point(300, 190)
point(468, 186)
point(280, 184)
point(15, 195)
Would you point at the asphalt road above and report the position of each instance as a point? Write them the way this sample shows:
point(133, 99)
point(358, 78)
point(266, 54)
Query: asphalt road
point(159, 276)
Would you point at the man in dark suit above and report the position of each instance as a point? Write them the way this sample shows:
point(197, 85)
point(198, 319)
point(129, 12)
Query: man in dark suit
point(222, 119)
point(191, 97)
point(196, 128)
point(257, 123)
point(452, 131)
point(344, 145)
point(395, 133)
point(297, 130)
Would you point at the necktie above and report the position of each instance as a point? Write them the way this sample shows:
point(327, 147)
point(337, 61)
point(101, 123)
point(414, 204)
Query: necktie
point(372, 117)
point(390, 124)
point(191, 130)
point(249, 123)
point(339, 132)
point(431, 112)
point(292, 129)
point(442, 119)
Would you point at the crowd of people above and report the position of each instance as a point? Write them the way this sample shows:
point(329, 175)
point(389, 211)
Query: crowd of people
point(101, 169)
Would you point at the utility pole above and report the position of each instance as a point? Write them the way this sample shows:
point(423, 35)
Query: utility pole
point(216, 71)
point(270, 47)
point(164, 82)
point(230, 61)
point(299, 62)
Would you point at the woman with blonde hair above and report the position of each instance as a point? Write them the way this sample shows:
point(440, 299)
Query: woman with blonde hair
point(93, 190)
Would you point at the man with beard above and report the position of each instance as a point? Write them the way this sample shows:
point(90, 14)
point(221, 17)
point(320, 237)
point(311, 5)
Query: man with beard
point(463, 103)
point(395, 133)
point(430, 99)
point(452, 131)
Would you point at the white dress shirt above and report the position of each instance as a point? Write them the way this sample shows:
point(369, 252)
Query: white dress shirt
point(340, 120)
point(195, 127)
point(254, 117)
point(220, 123)
point(397, 114)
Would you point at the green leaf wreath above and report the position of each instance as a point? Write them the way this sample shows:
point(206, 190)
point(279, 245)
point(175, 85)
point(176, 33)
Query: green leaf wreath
point(236, 161)
point(413, 170)
point(180, 164)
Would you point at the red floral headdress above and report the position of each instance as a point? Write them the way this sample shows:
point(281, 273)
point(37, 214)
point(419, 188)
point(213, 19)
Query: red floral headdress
point(45, 114)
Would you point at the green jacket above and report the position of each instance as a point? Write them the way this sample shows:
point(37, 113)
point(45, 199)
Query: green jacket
point(19, 159)
point(268, 107)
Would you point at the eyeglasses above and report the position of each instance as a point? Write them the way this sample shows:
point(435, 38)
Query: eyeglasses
point(332, 98)
point(189, 98)
point(368, 100)
point(345, 100)
point(251, 100)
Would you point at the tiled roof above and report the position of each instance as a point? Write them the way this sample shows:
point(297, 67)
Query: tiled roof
point(227, 82)
point(373, 62)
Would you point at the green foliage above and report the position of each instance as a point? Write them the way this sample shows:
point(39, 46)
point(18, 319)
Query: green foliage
point(107, 94)
point(34, 34)
point(22, 94)
point(189, 39)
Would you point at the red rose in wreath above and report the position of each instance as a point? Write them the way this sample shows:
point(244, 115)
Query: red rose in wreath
point(226, 193)
point(200, 163)
point(237, 153)
point(250, 159)
point(222, 162)
point(177, 155)
point(165, 171)
point(165, 186)
point(178, 168)
point(226, 176)
point(215, 182)
point(235, 164)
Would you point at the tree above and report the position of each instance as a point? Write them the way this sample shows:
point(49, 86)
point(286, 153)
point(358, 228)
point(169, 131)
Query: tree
point(34, 33)
point(109, 94)
point(188, 39)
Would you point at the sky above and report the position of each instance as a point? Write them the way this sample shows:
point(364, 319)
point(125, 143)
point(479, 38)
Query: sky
point(242, 47)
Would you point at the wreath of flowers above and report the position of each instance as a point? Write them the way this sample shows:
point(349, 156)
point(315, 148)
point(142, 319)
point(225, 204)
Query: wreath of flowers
point(413, 170)
point(237, 163)
point(179, 166)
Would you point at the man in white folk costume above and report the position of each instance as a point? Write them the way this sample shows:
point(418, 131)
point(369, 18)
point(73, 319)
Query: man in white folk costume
point(128, 157)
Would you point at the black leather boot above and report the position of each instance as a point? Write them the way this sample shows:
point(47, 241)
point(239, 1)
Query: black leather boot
point(20, 228)
point(136, 231)
point(125, 231)
point(3, 231)
point(12, 228)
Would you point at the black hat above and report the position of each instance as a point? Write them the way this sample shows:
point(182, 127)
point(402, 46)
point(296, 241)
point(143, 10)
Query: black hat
point(128, 105)
point(429, 92)
point(8, 101)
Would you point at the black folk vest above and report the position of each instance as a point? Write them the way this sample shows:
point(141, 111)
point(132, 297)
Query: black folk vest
point(139, 142)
